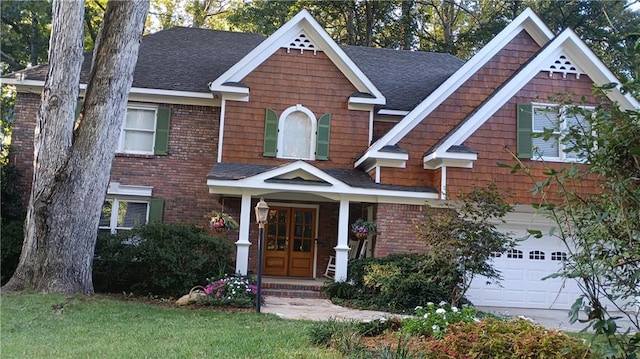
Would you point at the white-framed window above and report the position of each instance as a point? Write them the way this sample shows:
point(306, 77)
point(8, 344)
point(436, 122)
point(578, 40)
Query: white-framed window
point(297, 128)
point(123, 214)
point(514, 254)
point(138, 130)
point(558, 119)
point(536, 255)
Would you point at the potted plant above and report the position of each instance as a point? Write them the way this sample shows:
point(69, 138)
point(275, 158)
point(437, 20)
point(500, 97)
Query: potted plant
point(361, 228)
point(222, 222)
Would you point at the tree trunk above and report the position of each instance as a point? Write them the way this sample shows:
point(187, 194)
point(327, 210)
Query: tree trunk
point(72, 161)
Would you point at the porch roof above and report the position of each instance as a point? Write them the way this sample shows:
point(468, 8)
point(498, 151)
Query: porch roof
point(301, 176)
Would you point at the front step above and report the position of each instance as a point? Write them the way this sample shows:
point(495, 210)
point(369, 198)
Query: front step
point(286, 290)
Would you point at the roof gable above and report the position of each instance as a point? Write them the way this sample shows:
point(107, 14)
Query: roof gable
point(527, 21)
point(566, 49)
point(301, 33)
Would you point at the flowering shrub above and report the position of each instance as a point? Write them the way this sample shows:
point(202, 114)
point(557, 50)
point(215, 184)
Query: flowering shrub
point(238, 291)
point(497, 339)
point(434, 320)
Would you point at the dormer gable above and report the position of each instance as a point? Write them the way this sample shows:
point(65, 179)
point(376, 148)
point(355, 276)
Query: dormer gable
point(566, 54)
point(302, 33)
point(527, 21)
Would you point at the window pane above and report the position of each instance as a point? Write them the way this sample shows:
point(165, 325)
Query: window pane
point(138, 141)
point(296, 132)
point(546, 148)
point(131, 214)
point(545, 118)
point(140, 119)
point(105, 216)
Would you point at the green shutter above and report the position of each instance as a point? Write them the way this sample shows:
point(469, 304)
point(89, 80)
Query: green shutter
point(161, 146)
point(270, 133)
point(525, 127)
point(322, 137)
point(156, 207)
point(78, 108)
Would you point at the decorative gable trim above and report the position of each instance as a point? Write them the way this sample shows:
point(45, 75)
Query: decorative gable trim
point(527, 21)
point(303, 42)
point(564, 65)
point(567, 42)
point(314, 34)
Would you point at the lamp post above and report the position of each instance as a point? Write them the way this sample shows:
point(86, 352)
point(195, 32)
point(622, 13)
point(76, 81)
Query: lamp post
point(262, 211)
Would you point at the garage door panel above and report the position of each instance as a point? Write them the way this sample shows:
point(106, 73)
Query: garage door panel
point(522, 285)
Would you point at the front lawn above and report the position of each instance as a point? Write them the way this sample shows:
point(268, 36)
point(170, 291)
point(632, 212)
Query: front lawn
point(55, 326)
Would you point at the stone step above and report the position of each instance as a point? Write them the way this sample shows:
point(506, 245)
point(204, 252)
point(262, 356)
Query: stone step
point(290, 286)
point(291, 293)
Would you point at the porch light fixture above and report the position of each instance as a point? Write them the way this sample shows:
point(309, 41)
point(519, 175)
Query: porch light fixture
point(262, 211)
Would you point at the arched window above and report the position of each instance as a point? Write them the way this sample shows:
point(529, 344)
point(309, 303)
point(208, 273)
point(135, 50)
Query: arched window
point(297, 133)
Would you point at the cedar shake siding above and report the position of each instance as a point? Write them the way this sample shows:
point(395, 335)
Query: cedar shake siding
point(499, 133)
point(282, 81)
point(455, 109)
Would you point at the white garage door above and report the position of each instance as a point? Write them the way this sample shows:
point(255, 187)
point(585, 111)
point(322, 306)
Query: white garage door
point(522, 286)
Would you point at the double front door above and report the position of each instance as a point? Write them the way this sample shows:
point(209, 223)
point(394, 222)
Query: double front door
point(289, 242)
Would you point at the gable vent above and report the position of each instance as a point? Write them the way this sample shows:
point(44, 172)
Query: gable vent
point(302, 42)
point(565, 66)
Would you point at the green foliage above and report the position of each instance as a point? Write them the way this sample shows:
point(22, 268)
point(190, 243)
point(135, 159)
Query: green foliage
point(379, 326)
point(465, 236)
point(10, 194)
point(26, 26)
point(10, 248)
point(434, 320)
point(321, 333)
point(161, 259)
point(497, 339)
point(397, 283)
point(344, 290)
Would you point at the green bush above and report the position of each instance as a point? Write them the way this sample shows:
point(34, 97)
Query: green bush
point(398, 283)
point(10, 248)
point(497, 339)
point(159, 259)
point(435, 320)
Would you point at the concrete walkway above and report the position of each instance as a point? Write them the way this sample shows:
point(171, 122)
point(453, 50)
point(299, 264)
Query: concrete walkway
point(322, 309)
point(316, 309)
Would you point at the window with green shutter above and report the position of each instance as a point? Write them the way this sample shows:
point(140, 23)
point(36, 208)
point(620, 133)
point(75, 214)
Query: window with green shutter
point(145, 130)
point(322, 138)
point(541, 127)
point(270, 133)
point(525, 123)
point(126, 213)
point(161, 145)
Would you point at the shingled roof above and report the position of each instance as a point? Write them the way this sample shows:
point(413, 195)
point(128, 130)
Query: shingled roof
point(187, 59)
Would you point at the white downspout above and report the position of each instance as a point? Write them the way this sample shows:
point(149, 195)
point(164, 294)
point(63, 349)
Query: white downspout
point(242, 250)
point(223, 106)
point(443, 183)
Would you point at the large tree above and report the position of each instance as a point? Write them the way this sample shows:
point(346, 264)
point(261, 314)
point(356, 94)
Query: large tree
point(73, 155)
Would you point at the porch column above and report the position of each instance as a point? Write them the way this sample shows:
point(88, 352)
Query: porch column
point(342, 249)
point(242, 251)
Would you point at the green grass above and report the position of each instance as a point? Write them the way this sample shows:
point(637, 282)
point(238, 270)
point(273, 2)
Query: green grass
point(102, 327)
